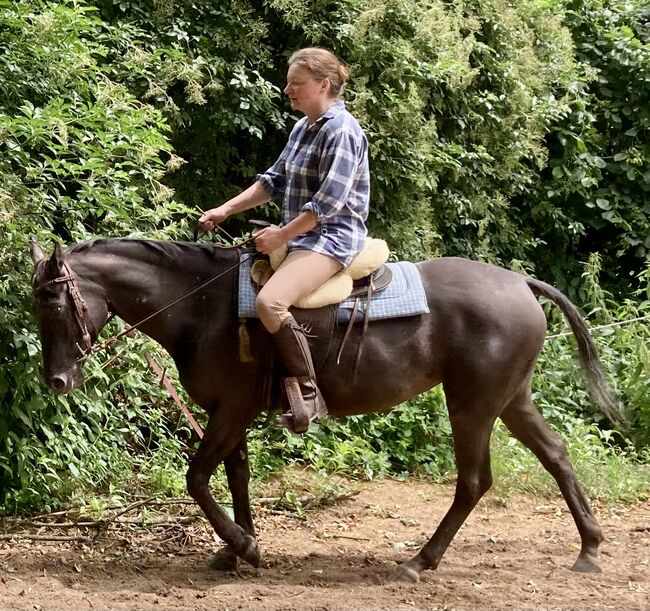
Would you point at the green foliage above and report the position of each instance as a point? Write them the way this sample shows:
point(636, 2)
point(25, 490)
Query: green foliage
point(515, 133)
point(489, 122)
point(79, 155)
point(416, 438)
point(202, 65)
point(593, 194)
point(606, 471)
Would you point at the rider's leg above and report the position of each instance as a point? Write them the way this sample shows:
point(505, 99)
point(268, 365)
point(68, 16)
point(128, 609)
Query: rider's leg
point(299, 275)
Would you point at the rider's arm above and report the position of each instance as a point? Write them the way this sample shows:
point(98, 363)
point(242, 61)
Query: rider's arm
point(252, 197)
point(302, 224)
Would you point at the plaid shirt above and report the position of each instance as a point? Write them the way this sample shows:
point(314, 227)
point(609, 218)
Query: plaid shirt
point(324, 169)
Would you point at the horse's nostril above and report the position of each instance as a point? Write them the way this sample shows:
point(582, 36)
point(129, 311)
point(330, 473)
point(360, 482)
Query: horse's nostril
point(58, 382)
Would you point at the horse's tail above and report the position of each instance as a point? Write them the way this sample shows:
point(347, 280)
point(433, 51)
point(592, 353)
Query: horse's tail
point(591, 365)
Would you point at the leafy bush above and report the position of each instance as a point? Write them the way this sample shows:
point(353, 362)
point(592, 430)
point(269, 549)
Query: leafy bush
point(606, 471)
point(490, 128)
point(78, 154)
point(414, 438)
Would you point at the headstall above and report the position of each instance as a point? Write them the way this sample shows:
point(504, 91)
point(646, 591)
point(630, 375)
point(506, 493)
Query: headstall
point(80, 309)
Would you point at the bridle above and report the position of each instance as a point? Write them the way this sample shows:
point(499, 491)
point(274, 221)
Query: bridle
point(80, 309)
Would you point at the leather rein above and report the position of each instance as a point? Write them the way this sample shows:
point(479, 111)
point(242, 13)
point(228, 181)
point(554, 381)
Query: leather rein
point(80, 308)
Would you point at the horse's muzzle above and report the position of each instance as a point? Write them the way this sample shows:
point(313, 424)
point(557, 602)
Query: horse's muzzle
point(65, 382)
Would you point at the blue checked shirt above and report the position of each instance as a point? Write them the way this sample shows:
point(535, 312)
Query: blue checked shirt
point(324, 169)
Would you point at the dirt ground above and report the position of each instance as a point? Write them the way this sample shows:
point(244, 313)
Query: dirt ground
point(512, 554)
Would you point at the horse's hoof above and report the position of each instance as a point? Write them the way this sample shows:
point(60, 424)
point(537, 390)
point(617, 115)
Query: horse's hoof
point(586, 563)
point(405, 574)
point(251, 552)
point(224, 560)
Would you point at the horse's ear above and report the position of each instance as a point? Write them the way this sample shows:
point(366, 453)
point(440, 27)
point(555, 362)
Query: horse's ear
point(35, 251)
point(55, 264)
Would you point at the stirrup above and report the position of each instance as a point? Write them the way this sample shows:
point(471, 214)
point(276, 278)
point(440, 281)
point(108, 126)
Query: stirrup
point(298, 417)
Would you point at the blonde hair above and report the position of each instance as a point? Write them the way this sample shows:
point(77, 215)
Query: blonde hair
point(322, 63)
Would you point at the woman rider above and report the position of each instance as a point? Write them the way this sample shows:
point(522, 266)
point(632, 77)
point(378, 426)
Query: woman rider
point(323, 177)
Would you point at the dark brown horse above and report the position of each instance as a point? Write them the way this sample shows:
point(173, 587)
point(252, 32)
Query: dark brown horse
point(481, 341)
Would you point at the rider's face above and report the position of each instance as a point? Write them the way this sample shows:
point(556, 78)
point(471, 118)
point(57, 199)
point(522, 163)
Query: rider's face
point(306, 93)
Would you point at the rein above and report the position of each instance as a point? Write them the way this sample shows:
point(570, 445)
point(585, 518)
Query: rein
point(81, 309)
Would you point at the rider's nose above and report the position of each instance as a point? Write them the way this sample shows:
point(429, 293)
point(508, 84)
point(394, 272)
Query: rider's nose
point(59, 382)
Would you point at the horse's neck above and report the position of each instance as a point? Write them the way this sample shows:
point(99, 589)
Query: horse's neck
point(140, 278)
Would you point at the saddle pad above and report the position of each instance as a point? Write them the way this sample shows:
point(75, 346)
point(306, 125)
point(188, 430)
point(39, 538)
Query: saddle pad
point(404, 296)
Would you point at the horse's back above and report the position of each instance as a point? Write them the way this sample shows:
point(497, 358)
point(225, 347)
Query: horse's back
point(458, 281)
point(463, 273)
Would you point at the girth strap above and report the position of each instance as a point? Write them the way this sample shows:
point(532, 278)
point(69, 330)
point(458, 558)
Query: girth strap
point(366, 320)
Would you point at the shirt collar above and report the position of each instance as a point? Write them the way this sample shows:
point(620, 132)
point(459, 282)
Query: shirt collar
point(333, 110)
point(330, 113)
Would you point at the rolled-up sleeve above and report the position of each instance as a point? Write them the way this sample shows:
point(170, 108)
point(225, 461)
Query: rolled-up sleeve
point(274, 179)
point(339, 164)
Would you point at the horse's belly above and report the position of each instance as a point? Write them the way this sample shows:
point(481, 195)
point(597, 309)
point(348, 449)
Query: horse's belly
point(396, 363)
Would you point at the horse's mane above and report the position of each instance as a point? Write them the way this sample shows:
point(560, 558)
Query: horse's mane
point(160, 249)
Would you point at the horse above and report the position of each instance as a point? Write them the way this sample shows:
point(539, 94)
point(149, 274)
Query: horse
point(480, 340)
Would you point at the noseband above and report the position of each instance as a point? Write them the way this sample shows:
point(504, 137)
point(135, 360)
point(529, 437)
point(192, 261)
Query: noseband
point(80, 309)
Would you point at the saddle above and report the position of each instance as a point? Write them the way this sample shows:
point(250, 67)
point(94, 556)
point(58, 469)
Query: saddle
point(366, 274)
point(376, 281)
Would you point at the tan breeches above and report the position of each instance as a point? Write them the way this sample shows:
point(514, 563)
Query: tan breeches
point(299, 274)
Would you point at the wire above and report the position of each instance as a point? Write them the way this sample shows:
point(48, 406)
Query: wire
point(614, 324)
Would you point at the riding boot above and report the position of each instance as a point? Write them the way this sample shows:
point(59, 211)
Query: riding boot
point(305, 401)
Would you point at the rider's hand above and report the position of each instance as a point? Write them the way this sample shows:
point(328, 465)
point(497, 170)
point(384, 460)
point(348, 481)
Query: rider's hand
point(269, 239)
point(213, 217)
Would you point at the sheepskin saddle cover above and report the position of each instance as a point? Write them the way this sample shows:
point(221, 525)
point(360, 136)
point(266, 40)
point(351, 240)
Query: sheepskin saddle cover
point(339, 287)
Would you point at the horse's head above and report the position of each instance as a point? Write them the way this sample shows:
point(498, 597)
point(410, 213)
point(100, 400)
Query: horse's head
point(71, 312)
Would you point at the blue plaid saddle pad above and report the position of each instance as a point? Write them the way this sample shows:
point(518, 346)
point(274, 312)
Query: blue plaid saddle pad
point(404, 296)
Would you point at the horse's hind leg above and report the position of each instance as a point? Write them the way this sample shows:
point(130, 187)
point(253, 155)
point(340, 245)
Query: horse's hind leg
point(471, 427)
point(238, 474)
point(527, 425)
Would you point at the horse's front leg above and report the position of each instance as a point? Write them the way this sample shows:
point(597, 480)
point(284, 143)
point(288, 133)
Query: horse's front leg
point(218, 443)
point(238, 473)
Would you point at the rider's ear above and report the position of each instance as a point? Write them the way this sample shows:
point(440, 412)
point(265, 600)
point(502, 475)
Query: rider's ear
point(36, 251)
point(55, 264)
